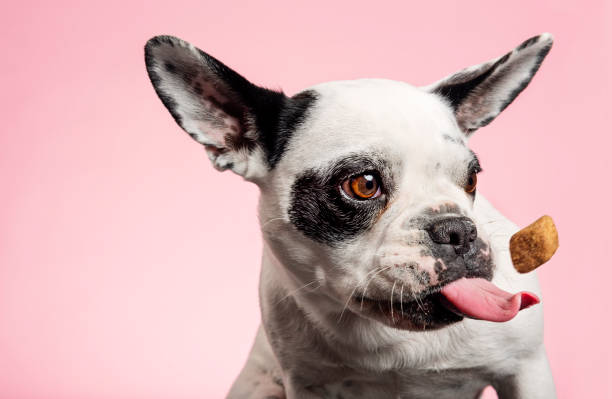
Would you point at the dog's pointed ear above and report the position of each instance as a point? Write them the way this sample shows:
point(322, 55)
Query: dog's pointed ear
point(217, 107)
point(479, 93)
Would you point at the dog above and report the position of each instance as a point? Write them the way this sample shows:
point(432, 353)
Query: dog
point(385, 273)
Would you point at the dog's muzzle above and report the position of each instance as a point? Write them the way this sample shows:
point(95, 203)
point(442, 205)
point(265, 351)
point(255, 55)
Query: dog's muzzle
point(443, 274)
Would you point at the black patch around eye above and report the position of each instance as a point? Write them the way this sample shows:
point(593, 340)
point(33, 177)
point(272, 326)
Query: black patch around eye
point(322, 212)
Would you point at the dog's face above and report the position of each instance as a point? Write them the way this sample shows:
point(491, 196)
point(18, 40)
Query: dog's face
point(367, 186)
point(380, 178)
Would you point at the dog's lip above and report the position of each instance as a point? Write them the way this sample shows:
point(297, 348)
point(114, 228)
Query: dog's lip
point(392, 300)
point(429, 293)
point(383, 303)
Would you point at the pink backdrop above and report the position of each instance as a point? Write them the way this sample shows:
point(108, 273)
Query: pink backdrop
point(129, 267)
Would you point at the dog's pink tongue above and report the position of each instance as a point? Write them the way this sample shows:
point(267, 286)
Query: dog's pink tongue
point(478, 298)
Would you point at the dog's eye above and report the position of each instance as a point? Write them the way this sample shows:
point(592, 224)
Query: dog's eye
point(362, 187)
point(470, 185)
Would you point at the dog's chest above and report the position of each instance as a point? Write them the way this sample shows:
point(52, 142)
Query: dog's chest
point(465, 383)
point(337, 371)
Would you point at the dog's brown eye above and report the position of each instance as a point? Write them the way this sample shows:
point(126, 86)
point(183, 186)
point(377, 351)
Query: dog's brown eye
point(362, 187)
point(470, 186)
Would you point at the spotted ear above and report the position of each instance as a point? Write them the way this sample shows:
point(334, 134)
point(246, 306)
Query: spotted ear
point(215, 105)
point(479, 93)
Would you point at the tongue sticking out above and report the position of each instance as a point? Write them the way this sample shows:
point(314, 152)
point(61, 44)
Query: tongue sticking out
point(478, 298)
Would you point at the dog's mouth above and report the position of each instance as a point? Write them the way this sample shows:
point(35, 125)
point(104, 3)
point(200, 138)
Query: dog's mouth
point(476, 298)
point(425, 313)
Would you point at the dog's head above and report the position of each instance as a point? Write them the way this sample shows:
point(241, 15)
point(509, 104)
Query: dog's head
point(367, 186)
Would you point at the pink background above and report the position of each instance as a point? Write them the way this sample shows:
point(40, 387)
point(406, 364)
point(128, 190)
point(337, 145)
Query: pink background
point(129, 267)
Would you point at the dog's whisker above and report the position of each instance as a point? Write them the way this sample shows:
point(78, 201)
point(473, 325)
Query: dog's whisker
point(416, 299)
point(296, 290)
point(369, 280)
point(351, 296)
point(363, 292)
point(391, 300)
point(264, 224)
point(346, 303)
point(402, 298)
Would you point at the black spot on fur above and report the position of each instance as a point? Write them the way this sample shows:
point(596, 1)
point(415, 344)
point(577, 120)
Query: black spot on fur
point(291, 116)
point(188, 76)
point(198, 88)
point(322, 212)
point(170, 67)
point(438, 267)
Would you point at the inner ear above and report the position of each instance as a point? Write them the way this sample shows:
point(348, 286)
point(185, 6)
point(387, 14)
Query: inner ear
point(479, 93)
point(216, 106)
point(202, 94)
point(222, 110)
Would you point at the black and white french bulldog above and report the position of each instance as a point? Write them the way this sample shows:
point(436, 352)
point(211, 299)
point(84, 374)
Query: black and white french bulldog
point(385, 273)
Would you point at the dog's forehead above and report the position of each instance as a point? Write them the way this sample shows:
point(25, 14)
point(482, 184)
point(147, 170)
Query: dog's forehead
point(372, 115)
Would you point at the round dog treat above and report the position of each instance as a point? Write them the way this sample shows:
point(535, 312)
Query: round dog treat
point(534, 245)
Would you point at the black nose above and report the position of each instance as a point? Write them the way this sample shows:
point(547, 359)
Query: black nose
point(457, 231)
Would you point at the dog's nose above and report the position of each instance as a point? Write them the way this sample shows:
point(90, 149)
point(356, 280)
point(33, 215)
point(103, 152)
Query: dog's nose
point(457, 231)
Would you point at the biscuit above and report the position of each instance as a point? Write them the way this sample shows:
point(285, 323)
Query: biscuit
point(534, 245)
